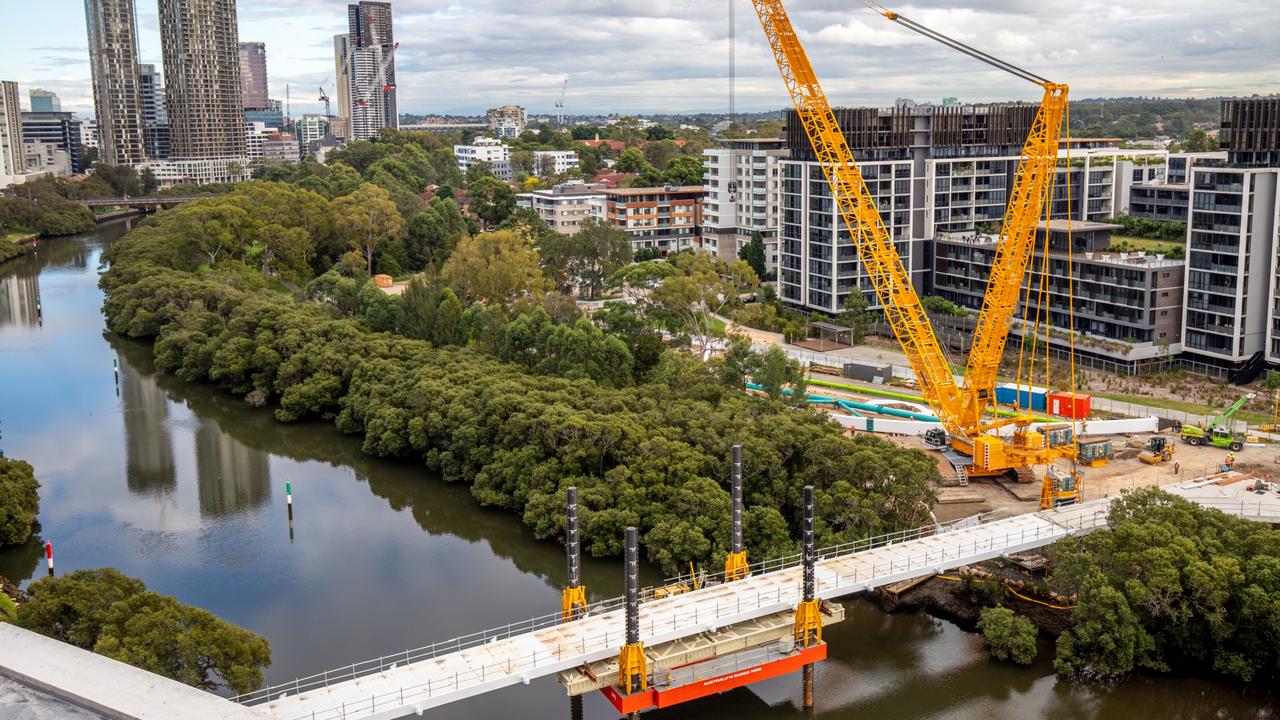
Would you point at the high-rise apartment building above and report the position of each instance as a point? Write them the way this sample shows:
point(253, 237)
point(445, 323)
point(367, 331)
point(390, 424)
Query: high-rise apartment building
point(202, 73)
point(485, 150)
point(743, 181)
point(311, 127)
point(60, 129)
point(155, 119)
point(253, 75)
point(508, 121)
point(113, 65)
point(370, 30)
point(341, 124)
point(12, 161)
point(44, 100)
point(931, 170)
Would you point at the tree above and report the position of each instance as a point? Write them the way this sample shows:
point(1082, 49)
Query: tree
point(498, 268)
point(421, 301)
point(492, 200)
point(1200, 141)
point(450, 329)
point(705, 286)
point(856, 315)
point(587, 258)
point(149, 182)
point(366, 217)
point(1008, 636)
point(684, 170)
point(778, 372)
point(753, 253)
point(114, 615)
point(660, 153)
point(630, 160)
point(19, 501)
point(477, 171)
point(218, 229)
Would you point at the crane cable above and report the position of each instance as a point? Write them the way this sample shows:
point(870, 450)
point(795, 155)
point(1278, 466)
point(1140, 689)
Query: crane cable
point(956, 44)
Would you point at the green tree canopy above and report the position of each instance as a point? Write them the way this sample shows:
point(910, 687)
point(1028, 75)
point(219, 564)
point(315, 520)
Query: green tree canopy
point(365, 218)
point(114, 615)
point(19, 501)
point(498, 268)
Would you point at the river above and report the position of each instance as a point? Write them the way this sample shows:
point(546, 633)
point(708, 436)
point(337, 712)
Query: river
point(184, 487)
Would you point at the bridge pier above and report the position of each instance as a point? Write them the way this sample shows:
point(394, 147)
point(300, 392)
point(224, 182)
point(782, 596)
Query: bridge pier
point(735, 565)
point(808, 628)
point(573, 602)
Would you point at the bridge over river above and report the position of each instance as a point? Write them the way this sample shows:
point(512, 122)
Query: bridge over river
point(417, 680)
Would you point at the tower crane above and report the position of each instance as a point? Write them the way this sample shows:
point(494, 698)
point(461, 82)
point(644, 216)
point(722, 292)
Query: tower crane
point(962, 408)
point(560, 119)
point(324, 98)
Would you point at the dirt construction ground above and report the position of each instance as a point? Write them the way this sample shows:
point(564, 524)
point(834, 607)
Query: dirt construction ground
point(1124, 471)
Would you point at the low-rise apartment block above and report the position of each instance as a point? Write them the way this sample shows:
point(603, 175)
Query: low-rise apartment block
point(1128, 306)
point(667, 219)
point(566, 206)
point(554, 162)
point(488, 150)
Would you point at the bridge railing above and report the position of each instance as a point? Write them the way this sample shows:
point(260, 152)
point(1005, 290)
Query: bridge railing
point(657, 623)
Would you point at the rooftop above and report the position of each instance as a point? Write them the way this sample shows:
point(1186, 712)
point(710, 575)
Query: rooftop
point(657, 190)
point(1063, 225)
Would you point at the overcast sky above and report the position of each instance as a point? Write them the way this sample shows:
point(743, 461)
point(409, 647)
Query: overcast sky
point(645, 56)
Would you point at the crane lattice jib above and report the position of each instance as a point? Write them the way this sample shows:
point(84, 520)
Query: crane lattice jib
point(1031, 187)
point(880, 259)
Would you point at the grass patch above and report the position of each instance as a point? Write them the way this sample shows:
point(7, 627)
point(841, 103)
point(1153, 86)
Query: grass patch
point(1128, 243)
point(1249, 416)
point(8, 610)
point(18, 234)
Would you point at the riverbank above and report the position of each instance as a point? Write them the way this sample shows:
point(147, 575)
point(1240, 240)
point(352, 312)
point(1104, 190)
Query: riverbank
point(15, 245)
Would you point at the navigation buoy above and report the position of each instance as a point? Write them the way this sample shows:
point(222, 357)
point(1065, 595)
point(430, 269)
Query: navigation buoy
point(48, 553)
point(115, 368)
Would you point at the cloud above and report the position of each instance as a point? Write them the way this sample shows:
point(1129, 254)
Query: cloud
point(672, 55)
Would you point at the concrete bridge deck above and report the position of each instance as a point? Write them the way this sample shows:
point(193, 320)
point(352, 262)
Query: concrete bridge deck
point(417, 680)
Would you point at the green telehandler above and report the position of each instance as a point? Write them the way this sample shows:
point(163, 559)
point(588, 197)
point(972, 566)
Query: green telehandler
point(1218, 433)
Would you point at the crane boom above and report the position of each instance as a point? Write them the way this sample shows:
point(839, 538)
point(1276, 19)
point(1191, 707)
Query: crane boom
point(961, 409)
point(853, 202)
point(1031, 186)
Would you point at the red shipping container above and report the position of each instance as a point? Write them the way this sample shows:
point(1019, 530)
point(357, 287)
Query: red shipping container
point(1065, 404)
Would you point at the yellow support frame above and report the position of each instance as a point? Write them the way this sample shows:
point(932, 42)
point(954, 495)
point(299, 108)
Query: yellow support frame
point(808, 626)
point(573, 602)
point(735, 566)
point(632, 663)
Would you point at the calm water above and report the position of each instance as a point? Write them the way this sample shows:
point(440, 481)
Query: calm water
point(184, 487)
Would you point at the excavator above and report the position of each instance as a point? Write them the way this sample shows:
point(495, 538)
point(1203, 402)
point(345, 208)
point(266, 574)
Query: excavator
point(991, 446)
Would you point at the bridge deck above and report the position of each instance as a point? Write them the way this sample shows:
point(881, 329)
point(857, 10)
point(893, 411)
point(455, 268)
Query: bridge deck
point(416, 680)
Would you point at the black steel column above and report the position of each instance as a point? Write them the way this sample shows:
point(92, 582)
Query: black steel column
point(809, 559)
point(809, 554)
point(571, 541)
point(736, 542)
point(633, 586)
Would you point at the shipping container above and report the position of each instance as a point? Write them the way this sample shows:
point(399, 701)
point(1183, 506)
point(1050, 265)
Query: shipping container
point(1025, 397)
point(1066, 404)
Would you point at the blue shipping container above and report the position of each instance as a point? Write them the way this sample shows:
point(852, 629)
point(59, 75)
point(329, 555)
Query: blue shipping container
point(1033, 398)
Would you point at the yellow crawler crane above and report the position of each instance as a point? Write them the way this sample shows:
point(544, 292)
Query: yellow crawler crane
point(963, 409)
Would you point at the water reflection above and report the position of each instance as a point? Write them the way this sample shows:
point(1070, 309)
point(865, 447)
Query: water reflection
point(150, 466)
point(232, 477)
point(19, 295)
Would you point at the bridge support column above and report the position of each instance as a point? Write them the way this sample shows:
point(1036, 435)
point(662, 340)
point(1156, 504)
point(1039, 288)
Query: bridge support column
point(632, 670)
point(735, 565)
point(573, 602)
point(808, 624)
